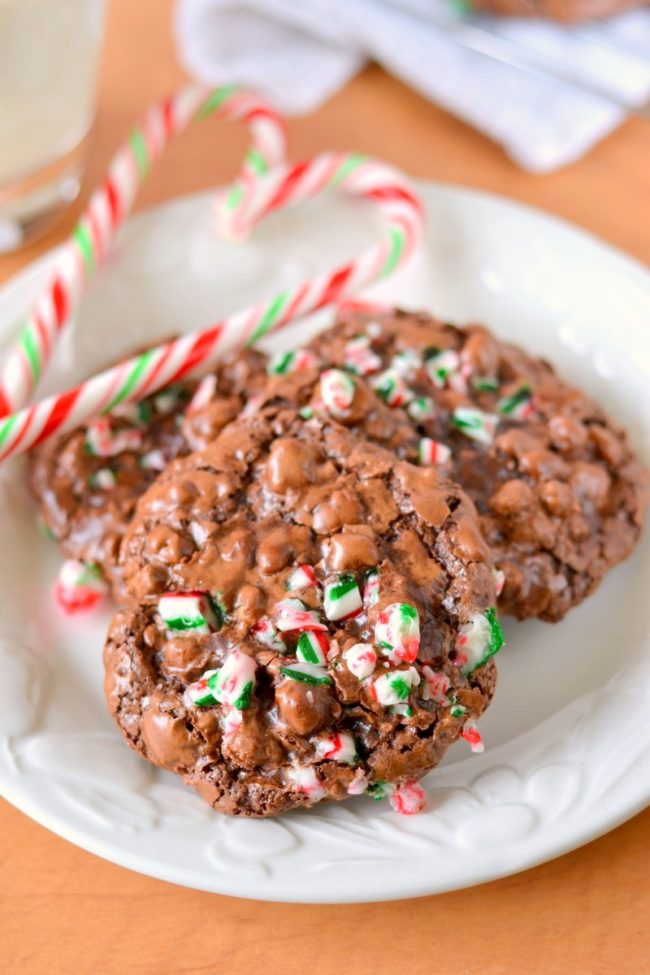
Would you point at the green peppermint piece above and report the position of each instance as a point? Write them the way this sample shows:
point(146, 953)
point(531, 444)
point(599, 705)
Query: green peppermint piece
point(440, 364)
point(234, 682)
point(421, 408)
point(342, 598)
point(201, 693)
point(479, 640)
point(391, 387)
point(280, 364)
point(286, 362)
point(397, 632)
point(312, 647)
point(194, 612)
point(515, 404)
point(380, 790)
point(475, 424)
point(394, 686)
point(485, 384)
point(306, 673)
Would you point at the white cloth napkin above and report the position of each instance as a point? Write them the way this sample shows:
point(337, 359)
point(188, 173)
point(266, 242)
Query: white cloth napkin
point(299, 52)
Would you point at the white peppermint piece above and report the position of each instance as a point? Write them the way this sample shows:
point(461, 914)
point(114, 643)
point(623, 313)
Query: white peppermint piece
point(361, 660)
point(304, 778)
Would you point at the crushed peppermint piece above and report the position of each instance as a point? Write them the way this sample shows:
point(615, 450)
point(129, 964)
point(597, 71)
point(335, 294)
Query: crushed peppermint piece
point(432, 452)
point(479, 639)
point(380, 790)
point(337, 747)
point(79, 587)
point(337, 390)
point(234, 682)
point(305, 673)
point(421, 408)
point(499, 581)
point(408, 799)
point(518, 405)
point(252, 407)
point(231, 720)
point(395, 686)
point(304, 779)
point(406, 363)
point(341, 597)
point(102, 441)
point(201, 693)
point(440, 365)
point(286, 362)
point(292, 614)
point(302, 578)
point(190, 612)
point(358, 785)
point(371, 585)
point(437, 685)
point(485, 384)
point(359, 358)
point(313, 647)
point(472, 735)
point(361, 660)
point(265, 633)
point(404, 709)
point(391, 388)
point(475, 424)
point(397, 632)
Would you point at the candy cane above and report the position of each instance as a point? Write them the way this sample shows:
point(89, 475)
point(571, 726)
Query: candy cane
point(111, 203)
point(351, 173)
point(148, 372)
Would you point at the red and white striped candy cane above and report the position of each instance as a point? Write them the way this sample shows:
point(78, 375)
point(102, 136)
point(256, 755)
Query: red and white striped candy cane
point(111, 203)
point(349, 173)
point(142, 375)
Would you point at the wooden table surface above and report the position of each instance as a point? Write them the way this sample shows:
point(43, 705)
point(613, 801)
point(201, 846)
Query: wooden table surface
point(65, 912)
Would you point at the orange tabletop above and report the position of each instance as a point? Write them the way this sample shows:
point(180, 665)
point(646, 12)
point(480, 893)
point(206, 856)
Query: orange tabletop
point(65, 912)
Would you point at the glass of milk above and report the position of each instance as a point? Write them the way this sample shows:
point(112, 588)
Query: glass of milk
point(49, 51)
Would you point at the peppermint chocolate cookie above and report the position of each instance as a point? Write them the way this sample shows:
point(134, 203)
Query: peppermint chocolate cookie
point(312, 619)
point(87, 482)
point(559, 492)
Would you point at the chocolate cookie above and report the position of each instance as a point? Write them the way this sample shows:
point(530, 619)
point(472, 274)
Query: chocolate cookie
point(87, 482)
point(312, 618)
point(560, 494)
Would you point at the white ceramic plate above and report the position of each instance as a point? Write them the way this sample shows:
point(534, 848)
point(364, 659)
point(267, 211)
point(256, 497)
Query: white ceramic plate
point(568, 737)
